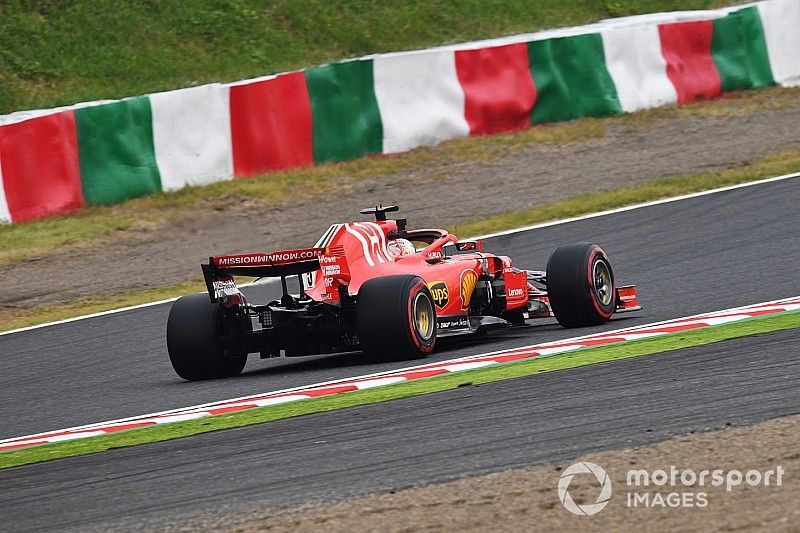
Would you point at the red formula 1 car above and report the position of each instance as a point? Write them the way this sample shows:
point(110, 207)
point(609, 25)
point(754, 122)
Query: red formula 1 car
point(365, 286)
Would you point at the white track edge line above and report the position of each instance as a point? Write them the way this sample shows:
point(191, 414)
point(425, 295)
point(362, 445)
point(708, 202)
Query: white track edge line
point(117, 310)
point(378, 374)
point(337, 381)
point(641, 205)
point(487, 236)
point(100, 425)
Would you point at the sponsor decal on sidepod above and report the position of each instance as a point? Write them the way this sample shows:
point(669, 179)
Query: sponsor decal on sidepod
point(440, 293)
point(468, 280)
point(453, 322)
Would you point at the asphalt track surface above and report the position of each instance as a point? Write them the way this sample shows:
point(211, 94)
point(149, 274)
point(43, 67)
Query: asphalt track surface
point(208, 480)
point(696, 255)
point(701, 254)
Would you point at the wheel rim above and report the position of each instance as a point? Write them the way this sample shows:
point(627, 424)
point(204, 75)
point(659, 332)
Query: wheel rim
point(423, 316)
point(603, 285)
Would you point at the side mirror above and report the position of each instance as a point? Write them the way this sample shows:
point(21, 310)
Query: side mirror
point(470, 246)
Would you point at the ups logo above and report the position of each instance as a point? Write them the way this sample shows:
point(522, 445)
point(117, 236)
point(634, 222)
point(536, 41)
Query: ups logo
point(440, 293)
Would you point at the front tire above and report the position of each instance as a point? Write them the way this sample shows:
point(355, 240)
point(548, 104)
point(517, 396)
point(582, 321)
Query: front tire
point(195, 350)
point(580, 285)
point(395, 318)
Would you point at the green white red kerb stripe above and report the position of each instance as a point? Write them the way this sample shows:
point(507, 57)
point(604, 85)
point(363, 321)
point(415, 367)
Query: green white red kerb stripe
point(61, 160)
point(406, 374)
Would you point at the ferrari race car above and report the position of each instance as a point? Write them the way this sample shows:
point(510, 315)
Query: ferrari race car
point(366, 286)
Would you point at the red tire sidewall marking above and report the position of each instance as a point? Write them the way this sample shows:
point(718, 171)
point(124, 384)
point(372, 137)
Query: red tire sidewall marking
point(597, 251)
point(419, 287)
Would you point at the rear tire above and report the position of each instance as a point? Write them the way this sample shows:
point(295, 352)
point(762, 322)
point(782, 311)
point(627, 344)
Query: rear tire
point(194, 327)
point(580, 285)
point(395, 318)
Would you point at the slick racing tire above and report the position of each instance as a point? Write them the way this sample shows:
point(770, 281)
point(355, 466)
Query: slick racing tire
point(395, 318)
point(194, 327)
point(580, 284)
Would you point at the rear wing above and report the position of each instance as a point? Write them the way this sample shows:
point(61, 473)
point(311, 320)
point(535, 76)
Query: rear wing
point(219, 271)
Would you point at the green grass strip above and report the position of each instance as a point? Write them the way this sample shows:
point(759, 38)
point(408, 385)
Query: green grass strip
point(588, 356)
point(670, 187)
point(97, 224)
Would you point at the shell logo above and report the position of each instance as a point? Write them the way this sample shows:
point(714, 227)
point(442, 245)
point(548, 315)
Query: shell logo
point(468, 280)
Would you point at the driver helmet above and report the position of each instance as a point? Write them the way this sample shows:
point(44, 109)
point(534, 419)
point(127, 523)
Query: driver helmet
point(400, 247)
